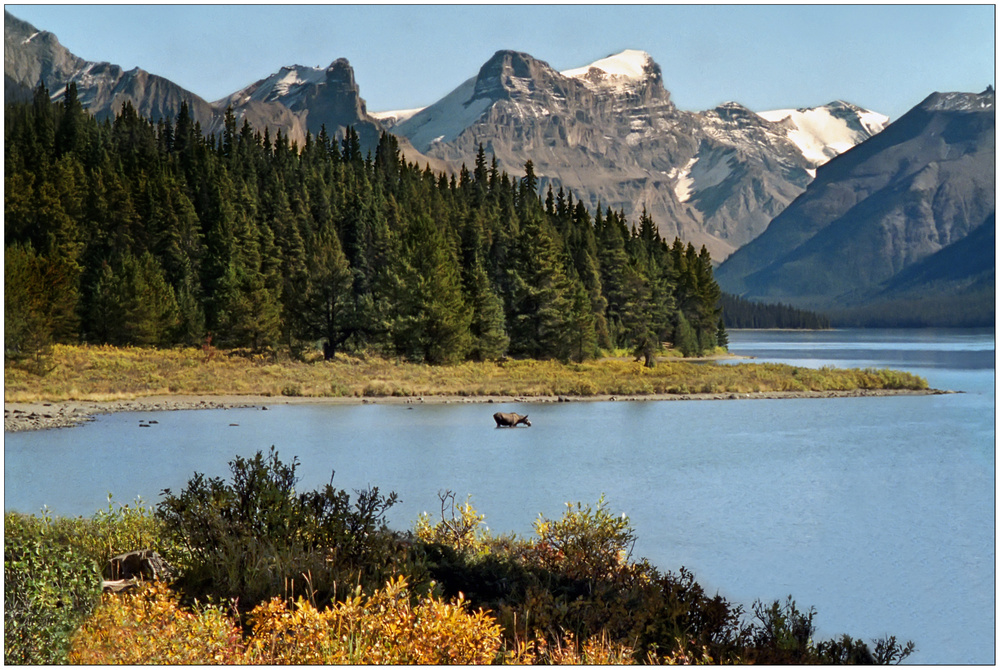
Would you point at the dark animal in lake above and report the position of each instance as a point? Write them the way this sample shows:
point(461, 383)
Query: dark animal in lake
point(510, 419)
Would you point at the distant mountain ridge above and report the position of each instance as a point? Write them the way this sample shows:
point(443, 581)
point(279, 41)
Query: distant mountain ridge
point(608, 131)
point(907, 216)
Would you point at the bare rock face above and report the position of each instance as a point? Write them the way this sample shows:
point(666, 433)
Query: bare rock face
point(33, 57)
point(307, 99)
point(30, 55)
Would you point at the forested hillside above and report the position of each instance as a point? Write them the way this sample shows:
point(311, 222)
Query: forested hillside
point(133, 233)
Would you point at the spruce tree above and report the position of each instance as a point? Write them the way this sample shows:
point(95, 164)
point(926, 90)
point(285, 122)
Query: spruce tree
point(541, 318)
point(325, 311)
point(721, 336)
point(40, 302)
point(432, 320)
point(132, 304)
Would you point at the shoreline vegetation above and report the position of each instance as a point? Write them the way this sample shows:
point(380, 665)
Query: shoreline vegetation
point(246, 571)
point(74, 383)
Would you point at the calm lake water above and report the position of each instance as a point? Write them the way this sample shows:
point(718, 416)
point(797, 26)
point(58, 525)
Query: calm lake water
point(878, 512)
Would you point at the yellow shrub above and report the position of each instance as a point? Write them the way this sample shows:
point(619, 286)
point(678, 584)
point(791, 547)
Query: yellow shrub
point(381, 629)
point(464, 531)
point(149, 627)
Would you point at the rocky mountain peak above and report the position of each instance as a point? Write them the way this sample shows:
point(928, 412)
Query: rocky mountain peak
point(31, 56)
point(511, 74)
point(960, 102)
point(733, 112)
point(340, 71)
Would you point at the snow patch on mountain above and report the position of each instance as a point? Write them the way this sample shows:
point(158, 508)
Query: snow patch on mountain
point(393, 118)
point(617, 72)
point(684, 186)
point(287, 84)
point(821, 133)
point(446, 119)
point(960, 102)
point(288, 78)
point(700, 173)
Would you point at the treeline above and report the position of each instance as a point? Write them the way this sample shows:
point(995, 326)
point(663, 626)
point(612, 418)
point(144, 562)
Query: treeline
point(130, 232)
point(740, 313)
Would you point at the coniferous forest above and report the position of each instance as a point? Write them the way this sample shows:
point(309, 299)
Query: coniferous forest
point(741, 313)
point(134, 232)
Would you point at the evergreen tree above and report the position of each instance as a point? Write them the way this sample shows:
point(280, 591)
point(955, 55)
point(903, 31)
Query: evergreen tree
point(685, 339)
point(325, 311)
point(132, 304)
point(541, 315)
point(40, 301)
point(721, 336)
point(432, 321)
point(487, 327)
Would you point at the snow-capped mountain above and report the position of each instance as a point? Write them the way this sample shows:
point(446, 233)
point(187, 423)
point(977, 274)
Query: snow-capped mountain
point(617, 73)
point(317, 97)
point(901, 226)
point(610, 132)
point(390, 120)
point(289, 86)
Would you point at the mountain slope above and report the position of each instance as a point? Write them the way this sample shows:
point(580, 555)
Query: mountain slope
point(924, 183)
point(956, 287)
point(32, 57)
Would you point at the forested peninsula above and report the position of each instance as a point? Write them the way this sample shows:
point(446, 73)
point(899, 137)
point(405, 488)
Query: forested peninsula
point(145, 258)
point(134, 233)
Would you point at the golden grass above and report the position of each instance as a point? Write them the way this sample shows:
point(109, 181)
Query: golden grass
point(110, 373)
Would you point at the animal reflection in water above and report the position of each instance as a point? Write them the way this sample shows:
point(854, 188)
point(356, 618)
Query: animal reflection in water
point(509, 419)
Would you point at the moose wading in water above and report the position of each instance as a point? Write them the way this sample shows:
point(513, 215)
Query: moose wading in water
point(509, 419)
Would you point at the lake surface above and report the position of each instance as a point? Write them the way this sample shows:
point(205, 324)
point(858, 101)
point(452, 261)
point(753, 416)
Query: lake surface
point(878, 512)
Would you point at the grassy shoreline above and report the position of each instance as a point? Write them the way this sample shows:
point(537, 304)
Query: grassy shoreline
point(100, 373)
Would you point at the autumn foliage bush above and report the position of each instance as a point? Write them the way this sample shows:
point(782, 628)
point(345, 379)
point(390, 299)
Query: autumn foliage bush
point(388, 627)
point(149, 626)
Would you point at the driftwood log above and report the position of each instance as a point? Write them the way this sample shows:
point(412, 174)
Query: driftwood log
point(126, 570)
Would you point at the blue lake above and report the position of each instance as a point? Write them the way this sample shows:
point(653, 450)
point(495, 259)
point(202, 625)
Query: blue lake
point(878, 512)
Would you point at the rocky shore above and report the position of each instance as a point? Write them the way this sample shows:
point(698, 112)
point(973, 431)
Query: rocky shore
point(64, 414)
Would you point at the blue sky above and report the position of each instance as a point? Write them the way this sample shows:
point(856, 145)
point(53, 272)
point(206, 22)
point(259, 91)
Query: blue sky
point(885, 57)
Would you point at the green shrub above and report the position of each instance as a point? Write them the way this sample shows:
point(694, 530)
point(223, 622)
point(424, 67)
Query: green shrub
point(782, 634)
point(118, 529)
point(255, 537)
point(50, 586)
